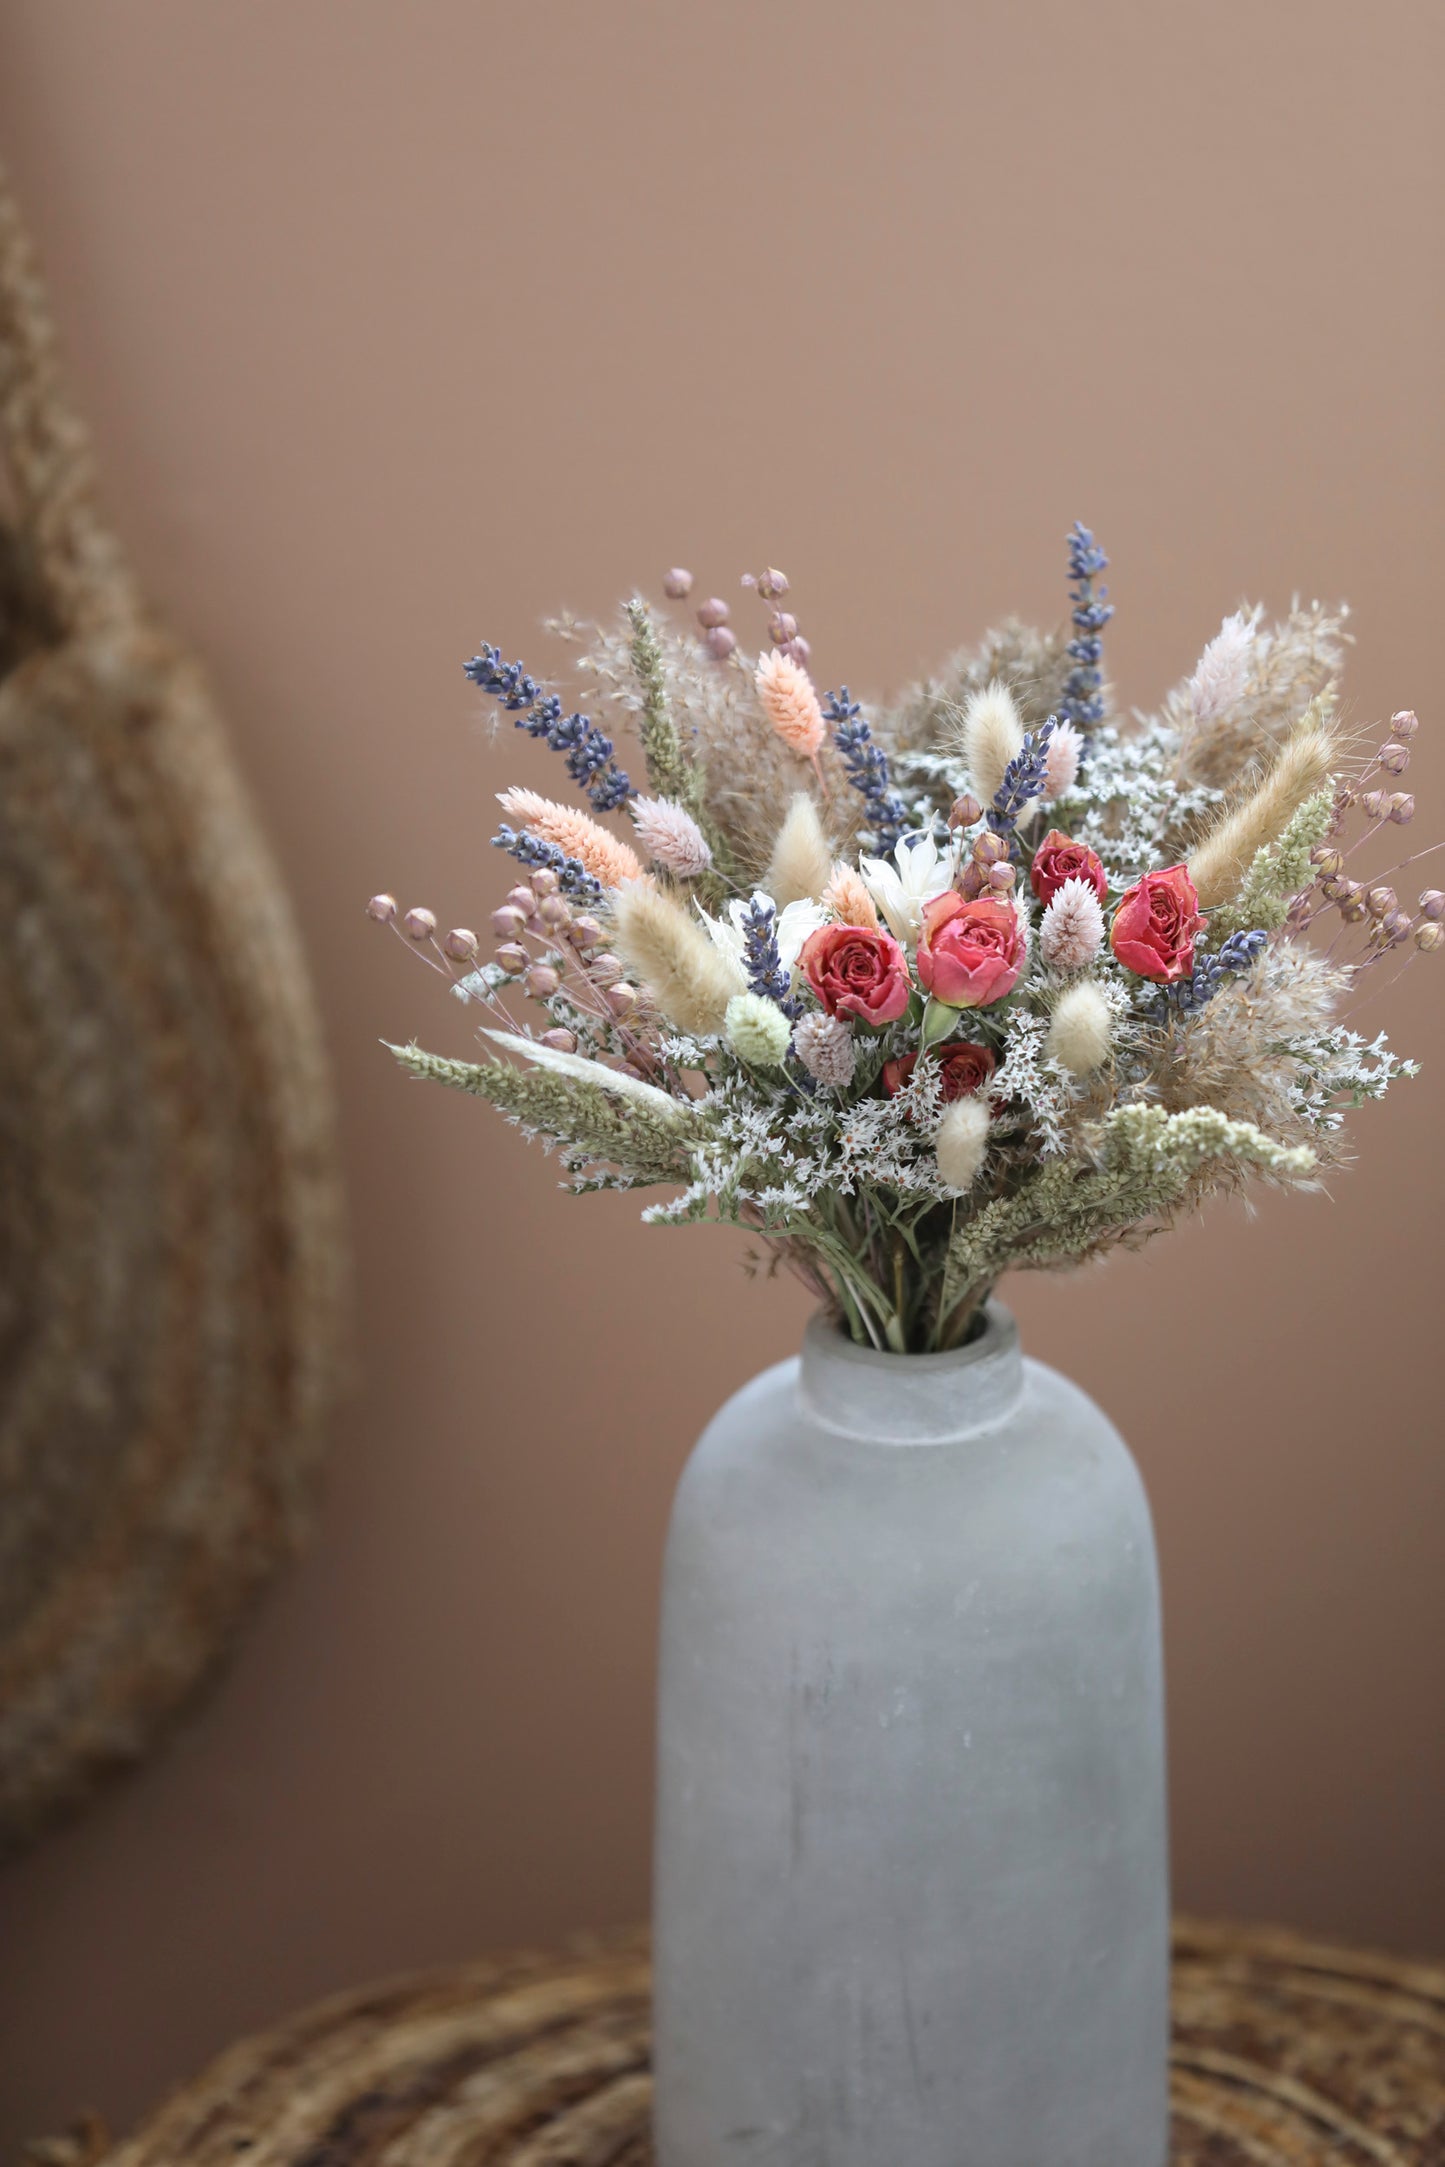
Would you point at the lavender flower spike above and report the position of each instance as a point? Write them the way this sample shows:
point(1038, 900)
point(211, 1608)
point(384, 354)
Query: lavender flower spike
point(573, 878)
point(1023, 779)
point(867, 766)
point(1239, 954)
point(1081, 704)
point(589, 750)
point(767, 973)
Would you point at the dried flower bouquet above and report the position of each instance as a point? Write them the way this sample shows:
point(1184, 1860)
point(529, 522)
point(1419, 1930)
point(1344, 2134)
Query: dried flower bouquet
point(995, 978)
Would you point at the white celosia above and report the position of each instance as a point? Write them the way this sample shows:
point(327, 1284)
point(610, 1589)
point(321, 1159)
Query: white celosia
point(791, 927)
point(757, 1030)
point(1080, 1029)
point(1073, 929)
point(919, 871)
point(961, 1142)
point(670, 836)
point(824, 1045)
point(1061, 761)
point(1221, 675)
point(993, 734)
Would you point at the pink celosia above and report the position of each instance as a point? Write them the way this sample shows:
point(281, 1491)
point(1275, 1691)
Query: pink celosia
point(604, 856)
point(791, 703)
point(1073, 929)
point(670, 836)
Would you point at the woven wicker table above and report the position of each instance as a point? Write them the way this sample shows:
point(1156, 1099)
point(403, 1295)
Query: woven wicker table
point(1284, 2052)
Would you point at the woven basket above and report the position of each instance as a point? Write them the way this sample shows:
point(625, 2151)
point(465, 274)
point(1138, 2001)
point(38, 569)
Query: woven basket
point(169, 1222)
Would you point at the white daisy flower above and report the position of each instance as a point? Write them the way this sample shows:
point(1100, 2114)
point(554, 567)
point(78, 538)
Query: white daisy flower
point(919, 871)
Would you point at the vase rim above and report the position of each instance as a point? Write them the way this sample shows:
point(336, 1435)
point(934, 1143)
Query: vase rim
point(912, 1399)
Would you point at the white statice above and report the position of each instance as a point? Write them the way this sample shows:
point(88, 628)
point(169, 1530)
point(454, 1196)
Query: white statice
point(1129, 804)
point(918, 871)
point(1338, 1069)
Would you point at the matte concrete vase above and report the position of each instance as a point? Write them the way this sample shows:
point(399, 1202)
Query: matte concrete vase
point(912, 1883)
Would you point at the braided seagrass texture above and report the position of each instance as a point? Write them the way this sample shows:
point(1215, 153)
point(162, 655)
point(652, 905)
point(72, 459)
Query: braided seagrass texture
point(1286, 2054)
point(169, 1222)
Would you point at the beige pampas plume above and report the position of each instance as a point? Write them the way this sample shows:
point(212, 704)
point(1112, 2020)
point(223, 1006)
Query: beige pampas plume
point(847, 897)
point(961, 1142)
point(687, 975)
point(791, 703)
point(802, 863)
point(1222, 674)
point(1079, 1033)
point(990, 735)
point(1301, 767)
point(605, 858)
point(670, 836)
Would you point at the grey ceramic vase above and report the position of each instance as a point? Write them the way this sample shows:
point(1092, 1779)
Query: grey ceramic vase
point(911, 1902)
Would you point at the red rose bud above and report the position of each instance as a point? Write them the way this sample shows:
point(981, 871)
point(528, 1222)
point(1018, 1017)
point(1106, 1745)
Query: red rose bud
point(971, 953)
point(1057, 860)
point(964, 1069)
point(1152, 931)
point(857, 972)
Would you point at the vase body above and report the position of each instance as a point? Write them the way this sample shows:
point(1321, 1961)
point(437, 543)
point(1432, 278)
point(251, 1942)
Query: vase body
point(911, 1904)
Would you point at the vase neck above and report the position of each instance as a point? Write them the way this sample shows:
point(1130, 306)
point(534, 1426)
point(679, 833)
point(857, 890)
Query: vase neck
point(912, 1399)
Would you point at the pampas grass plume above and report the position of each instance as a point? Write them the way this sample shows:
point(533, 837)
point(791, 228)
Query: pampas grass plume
point(605, 857)
point(791, 703)
point(991, 734)
point(1301, 767)
point(802, 863)
point(1222, 674)
point(688, 976)
point(847, 897)
point(670, 836)
point(962, 1141)
point(1079, 1034)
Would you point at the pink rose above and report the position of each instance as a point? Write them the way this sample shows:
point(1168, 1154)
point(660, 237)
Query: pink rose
point(971, 953)
point(1153, 929)
point(857, 972)
point(1057, 859)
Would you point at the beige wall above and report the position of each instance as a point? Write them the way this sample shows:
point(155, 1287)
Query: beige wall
point(400, 325)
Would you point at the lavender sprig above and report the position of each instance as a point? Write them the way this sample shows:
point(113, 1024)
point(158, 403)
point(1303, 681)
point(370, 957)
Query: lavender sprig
point(1081, 704)
point(1023, 779)
point(1237, 955)
point(573, 878)
point(589, 750)
point(867, 766)
point(766, 971)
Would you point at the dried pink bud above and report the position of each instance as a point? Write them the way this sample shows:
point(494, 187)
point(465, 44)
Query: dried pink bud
point(1405, 724)
point(1373, 803)
point(544, 882)
point(585, 933)
point(419, 924)
point(966, 812)
point(461, 945)
point(621, 999)
point(524, 900)
point(677, 583)
point(507, 921)
point(714, 612)
point(1326, 860)
point(798, 650)
point(1394, 758)
point(554, 910)
point(720, 643)
point(604, 970)
point(512, 959)
point(1402, 808)
point(541, 981)
point(782, 627)
point(559, 1040)
point(1380, 900)
point(1429, 935)
point(989, 848)
point(1001, 876)
point(382, 908)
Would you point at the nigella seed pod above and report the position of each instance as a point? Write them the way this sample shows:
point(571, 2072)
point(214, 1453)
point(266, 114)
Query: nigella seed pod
point(1398, 924)
point(720, 642)
point(541, 981)
point(1373, 803)
point(713, 612)
point(1354, 913)
point(604, 970)
point(461, 945)
point(554, 910)
point(1380, 900)
point(507, 921)
point(1429, 936)
point(585, 932)
point(677, 584)
point(1001, 876)
point(559, 1040)
point(1342, 890)
point(773, 585)
point(383, 909)
point(512, 959)
point(524, 900)
point(1402, 808)
point(419, 925)
point(1405, 724)
point(1432, 904)
point(621, 999)
point(970, 881)
point(544, 882)
point(782, 627)
point(1394, 758)
point(966, 812)
point(1326, 860)
point(989, 848)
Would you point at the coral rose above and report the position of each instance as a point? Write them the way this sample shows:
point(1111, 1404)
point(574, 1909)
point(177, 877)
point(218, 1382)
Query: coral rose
point(1057, 859)
point(965, 1069)
point(971, 953)
point(857, 972)
point(1152, 931)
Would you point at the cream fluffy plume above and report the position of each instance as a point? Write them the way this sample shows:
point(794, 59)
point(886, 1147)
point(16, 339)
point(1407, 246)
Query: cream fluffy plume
point(790, 703)
point(1221, 675)
point(991, 734)
point(802, 863)
point(847, 897)
point(1061, 761)
point(962, 1141)
point(1073, 929)
point(686, 973)
point(1301, 767)
point(670, 836)
point(1079, 1030)
point(605, 858)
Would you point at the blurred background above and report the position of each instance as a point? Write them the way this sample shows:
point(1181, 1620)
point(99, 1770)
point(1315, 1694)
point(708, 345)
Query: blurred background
point(399, 328)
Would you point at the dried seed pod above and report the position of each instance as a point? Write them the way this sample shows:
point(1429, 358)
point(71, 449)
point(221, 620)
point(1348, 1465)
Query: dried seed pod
point(798, 650)
point(383, 909)
point(507, 921)
point(559, 1040)
point(604, 970)
point(542, 981)
point(621, 999)
point(1380, 900)
point(720, 643)
point(772, 585)
point(461, 944)
point(419, 925)
point(1394, 759)
point(1429, 935)
point(1326, 860)
point(966, 812)
point(677, 584)
point(1432, 904)
point(544, 881)
point(1405, 724)
point(782, 627)
point(1001, 876)
point(988, 848)
point(585, 932)
point(524, 900)
point(712, 613)
point(512, 959)
point(1373, 803)
point(1402, 808)
point(554, 910)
